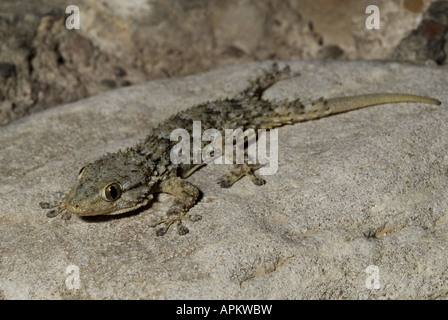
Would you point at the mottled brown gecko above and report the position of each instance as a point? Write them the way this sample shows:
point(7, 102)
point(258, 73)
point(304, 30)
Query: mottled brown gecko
point(127, 180)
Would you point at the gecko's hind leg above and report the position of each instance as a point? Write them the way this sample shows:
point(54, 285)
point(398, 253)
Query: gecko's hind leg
point(186, 196)
point(259, 85)
point(238, 172)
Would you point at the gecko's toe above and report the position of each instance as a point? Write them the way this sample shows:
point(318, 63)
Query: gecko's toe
point(225, 183)
point(66, 216)
point(156, 221)
point(153, 223)
point(194, 217)
point(161, 232)
point(258, 181)
point(52, 213)
point(181, 229)
point(44, 205)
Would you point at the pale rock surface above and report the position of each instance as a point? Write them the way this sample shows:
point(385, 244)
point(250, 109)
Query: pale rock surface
point(365, 188)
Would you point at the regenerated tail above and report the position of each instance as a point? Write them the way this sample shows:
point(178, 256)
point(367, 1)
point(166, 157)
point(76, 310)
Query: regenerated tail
point(325, 107)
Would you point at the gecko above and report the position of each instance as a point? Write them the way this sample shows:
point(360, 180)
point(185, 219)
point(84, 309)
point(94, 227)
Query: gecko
point(127, 180)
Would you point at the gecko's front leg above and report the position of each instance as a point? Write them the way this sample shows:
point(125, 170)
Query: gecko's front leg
point(186, 195)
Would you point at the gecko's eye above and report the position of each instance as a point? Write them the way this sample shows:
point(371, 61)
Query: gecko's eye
point(112, 192)
point(80, 172)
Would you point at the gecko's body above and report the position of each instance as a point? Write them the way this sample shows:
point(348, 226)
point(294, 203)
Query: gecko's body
point(127, 180)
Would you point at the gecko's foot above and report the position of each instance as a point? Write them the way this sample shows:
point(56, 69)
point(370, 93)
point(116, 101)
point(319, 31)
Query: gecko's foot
point(275, 74)
point(56, 207)
point(186, 196)
point(239, 171)
point(259, 85)
point(166, 223)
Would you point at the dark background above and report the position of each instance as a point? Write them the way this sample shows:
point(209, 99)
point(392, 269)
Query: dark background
point(43, 64)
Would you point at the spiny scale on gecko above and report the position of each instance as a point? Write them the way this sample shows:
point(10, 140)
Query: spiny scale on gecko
point(127, 180)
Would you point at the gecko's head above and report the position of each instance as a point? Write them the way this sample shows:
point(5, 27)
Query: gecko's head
point(114, 184)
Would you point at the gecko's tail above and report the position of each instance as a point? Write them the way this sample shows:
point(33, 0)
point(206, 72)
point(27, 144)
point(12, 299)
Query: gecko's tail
point(325, 107)
point(297, 111)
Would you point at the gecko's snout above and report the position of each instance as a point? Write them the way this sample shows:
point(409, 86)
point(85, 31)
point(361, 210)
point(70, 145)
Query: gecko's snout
point(78, 204)
point(72, 205)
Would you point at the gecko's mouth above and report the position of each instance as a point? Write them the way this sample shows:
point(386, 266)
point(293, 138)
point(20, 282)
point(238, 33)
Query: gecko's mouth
point(74, 210)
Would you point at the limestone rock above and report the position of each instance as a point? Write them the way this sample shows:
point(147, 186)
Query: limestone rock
point(359, 199)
